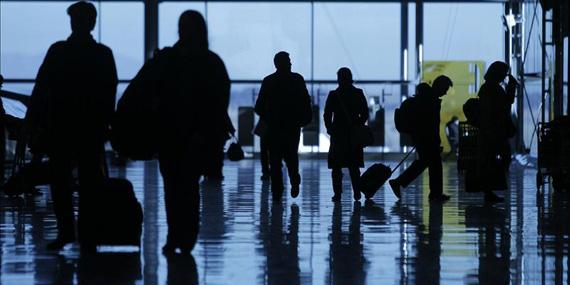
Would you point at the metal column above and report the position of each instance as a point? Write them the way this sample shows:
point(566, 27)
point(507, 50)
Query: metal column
point(419, 37)
point(558, 39)
point(150, 27)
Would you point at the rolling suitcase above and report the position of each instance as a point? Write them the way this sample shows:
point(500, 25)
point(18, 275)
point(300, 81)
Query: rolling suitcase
point(376, 175)
point(121, 216)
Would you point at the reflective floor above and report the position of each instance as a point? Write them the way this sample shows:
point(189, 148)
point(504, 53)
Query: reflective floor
point(247, 239)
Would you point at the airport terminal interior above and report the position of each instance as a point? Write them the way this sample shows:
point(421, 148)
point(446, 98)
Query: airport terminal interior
point(247, 235)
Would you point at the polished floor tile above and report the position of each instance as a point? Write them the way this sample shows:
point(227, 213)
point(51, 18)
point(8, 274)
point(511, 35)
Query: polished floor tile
point(247, 239)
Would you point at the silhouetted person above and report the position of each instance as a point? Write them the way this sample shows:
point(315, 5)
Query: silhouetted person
point(194, 91)
point(425, 137)
point(285, 105)
point(214, 166)
point(345, 107)
point(452, 131)
point(495, 127)
point(72, 102)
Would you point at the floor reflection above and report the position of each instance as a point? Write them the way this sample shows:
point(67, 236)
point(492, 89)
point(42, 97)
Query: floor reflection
point(246, 238)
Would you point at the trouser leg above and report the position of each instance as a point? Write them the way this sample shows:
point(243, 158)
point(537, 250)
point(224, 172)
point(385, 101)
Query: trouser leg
point(412, 172)
point(291, 157)
point(91, 181)
point(337, 180)
point(264, 156)
point(62, 195)
point(355, 178)
point(435, 175)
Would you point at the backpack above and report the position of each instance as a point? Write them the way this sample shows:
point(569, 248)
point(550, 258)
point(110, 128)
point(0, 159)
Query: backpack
point(405, 117)
point(472, 110)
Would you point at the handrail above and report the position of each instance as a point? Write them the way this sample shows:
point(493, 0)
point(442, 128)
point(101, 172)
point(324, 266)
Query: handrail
point(256, 81)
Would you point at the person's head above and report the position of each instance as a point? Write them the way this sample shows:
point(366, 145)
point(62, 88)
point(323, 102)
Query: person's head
point(282, 61)
point(441, 85)
point(83, 16)
point(344, 76)
point(192, 30)
point(423, 89)
point(497, 72)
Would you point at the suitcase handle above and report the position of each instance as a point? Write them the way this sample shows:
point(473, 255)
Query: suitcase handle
point(402, 161)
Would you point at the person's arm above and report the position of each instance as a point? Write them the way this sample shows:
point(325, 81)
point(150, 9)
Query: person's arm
point(261, 102)
point(38, 98)
point(110, 90)
point(307, 111)
point(328, 113)
point(364, 112)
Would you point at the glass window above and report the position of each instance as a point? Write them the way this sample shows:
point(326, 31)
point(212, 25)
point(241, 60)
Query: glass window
point(27, 31)
point(122, 29)
point(463, 32)
point(247, 36)
point(363, 37)
point(29, 28)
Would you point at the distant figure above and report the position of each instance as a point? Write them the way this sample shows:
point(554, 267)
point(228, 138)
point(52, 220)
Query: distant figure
point(285, 105)
point(345, 107)
point(194, 92)
point(452, 132)
point(71, 105)
point(215, 166)
point(496, 127)
point(426, 139)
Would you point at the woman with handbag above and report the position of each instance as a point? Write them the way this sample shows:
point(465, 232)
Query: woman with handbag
point(495, 129)
point(345, 115)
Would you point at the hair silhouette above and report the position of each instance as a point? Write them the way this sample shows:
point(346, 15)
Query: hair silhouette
point(282, 61)
point(344, 76)
point(83, 16)
point(441, 85)
point(497, 71)
point(192, 30)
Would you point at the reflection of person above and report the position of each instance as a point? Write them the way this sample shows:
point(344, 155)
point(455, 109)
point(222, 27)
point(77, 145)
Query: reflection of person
point(425, 138)
point(76, 85)
point(495, 128)
point(494, 243)
point(426, 264)
point(347, 264)
point(345, 107)
point(194, 90)
point(181, 270)
point(285, 105)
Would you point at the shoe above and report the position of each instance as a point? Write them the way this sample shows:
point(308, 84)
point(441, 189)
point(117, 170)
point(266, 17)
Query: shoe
point(493, 198)
point(336, 198)
point(265, 177)
point(439, 197)
point(395, 187)
point(295, 191)
point(59, 243)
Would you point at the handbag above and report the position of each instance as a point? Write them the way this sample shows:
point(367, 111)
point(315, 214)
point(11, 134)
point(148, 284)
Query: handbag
point(235, 152)
point(360, 135)
point(260, 129)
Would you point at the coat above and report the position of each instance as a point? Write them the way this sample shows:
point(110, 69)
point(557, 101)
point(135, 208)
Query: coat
point(340, 103)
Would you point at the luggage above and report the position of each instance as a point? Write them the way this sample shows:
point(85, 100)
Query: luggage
point(373, 178)
point(119, 221)
point(27, 178)
point(376, 175)
point(405, 116)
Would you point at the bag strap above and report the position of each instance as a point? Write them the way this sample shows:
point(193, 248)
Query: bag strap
point(405, 158)
point(344, 109)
